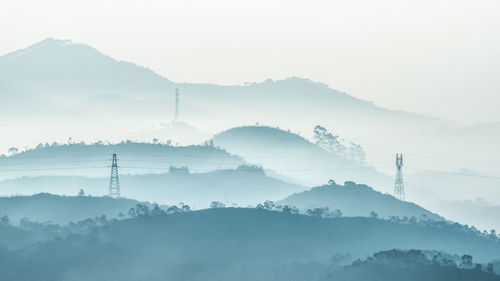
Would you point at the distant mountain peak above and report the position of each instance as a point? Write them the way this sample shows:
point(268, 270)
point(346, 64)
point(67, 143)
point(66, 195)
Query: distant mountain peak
point(53, 41)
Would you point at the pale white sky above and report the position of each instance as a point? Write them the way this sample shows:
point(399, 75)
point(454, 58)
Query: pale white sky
point(440, 57)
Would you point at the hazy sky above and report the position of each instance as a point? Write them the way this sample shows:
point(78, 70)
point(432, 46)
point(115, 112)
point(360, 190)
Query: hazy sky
point(427, 56)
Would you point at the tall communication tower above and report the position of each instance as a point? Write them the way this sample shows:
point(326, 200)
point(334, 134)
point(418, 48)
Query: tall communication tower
point(176, 119)
point(399, 190)
point(114, 182)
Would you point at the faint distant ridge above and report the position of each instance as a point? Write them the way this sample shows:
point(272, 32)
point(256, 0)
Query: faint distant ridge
point(357, 200)
point(81, 159)
point(57, 69)
point(55, 65)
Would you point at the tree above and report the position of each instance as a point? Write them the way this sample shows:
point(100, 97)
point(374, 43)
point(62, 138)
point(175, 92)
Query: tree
point(336, 213)
point(157, 211)
point(173, 210)
point(290, 210)
point(4, 220)
point(139, 210)
point(185, 208)
point(489, 268)
point(318, 212)
point(267, 205)
point(332, 143)
point(466, 262)
point(13, 150)
point(81, 192)
point(373, 215)
point(216, 205)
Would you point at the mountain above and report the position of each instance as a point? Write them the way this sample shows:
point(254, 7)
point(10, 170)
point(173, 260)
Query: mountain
point(57, 89)
point(356, 200)
point(58, 68)
point(243, 186)
point(58, 77)
point(93, 160)
point(479, 212)
point(295, 157)
point(44, 207)
point(230, 244)
point(411, 265)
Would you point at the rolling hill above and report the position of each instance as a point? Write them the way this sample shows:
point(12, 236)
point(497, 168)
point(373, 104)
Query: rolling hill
point(230, 244)
point(356, 200)
point(93, 160)
point(295, 157)
point(242, 186)
point(44, 207)
point(56, 89)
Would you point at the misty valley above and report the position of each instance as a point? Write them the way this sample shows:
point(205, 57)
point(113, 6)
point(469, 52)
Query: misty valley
point(109, 171)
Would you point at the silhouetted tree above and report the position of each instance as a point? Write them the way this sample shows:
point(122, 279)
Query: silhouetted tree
point(289, 210)
point(4, 220)
point(267, 205)
point(466, 262)
point(489, 268)
point(157, 211)
point(216, 205)
point(13, 150)
point(81, 192)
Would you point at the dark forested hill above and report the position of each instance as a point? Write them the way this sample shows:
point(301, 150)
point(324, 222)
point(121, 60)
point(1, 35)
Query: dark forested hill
point(231, 244)
point(413, 265)
point(356, 200)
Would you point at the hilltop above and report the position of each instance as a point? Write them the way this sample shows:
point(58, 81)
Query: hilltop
point(93, 160)
point(295, 157)
point(356, 200)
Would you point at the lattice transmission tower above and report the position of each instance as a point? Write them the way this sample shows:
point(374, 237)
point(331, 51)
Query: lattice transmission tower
point(399, 189)
point(114, 182)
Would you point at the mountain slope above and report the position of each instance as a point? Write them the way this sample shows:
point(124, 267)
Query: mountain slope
point(242, 186)
point(56, 77)
point(356, 200)
point(56, 89)
point(410, 265)
point(93, 160)
point(56, 209)
point(60, 67)
point(293, 156)
point(230, 244)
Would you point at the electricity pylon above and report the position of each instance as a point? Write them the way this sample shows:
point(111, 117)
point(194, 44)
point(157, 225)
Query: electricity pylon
point(114, 182)
point(399, 189)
